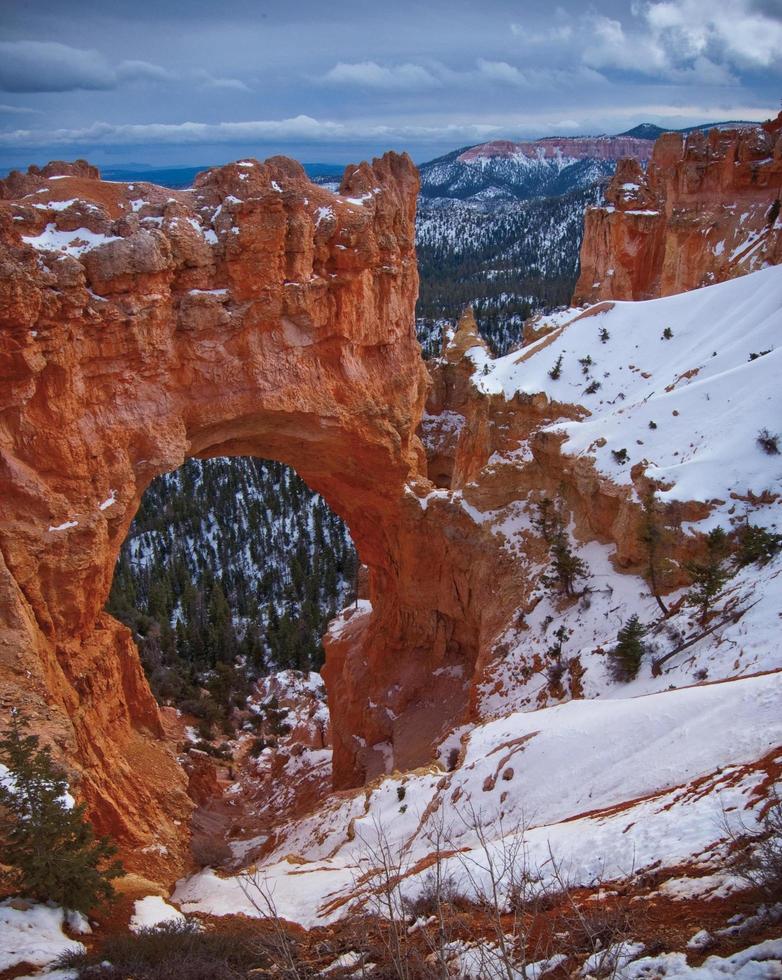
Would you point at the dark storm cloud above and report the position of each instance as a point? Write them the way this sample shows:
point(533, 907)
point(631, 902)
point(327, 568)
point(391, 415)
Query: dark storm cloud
point(769, 8)
point(255, 76)
point(47, 66)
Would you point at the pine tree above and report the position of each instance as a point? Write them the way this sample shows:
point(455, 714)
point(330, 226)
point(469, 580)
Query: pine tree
point(544, 520)
point(757, 545)
point(626, 656)
point(51, 846)
point(567, 566)
point(710, 575)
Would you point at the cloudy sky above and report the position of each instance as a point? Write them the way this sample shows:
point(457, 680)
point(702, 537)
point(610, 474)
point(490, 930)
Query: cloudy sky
point(204, 81)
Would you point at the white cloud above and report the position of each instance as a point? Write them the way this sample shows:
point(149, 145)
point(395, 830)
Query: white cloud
point(369, 74)
point(550, 35)
point(696, 41)
point(47, 66)
point(138, 71)
point(299, 129)
point(501, 71)
point(18, 110)
point(304, 129)
point(208, 80)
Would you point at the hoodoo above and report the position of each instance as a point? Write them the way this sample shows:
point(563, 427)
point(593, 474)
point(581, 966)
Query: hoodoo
point(702, 212)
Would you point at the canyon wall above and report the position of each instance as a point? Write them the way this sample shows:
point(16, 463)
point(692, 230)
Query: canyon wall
point(255, 313)
point(700, 213)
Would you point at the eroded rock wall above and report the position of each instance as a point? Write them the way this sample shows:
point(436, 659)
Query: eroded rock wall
point(700, 213)
point(256, 313)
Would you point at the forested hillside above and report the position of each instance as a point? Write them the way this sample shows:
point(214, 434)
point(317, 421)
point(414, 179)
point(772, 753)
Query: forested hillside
point(230, 562)
point(507, 259)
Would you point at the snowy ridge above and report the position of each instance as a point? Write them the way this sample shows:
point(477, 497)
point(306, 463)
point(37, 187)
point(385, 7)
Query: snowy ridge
point(702, 389)
point(517, 176)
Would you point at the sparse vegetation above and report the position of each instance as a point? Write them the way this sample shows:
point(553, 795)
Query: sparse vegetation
point(768, 442)
point(667, 333)
point(757, 545)
point(566, 566)
point(755, 355)
point(757, 856)
point(586, 363)
point(555, 671)
point(556, 371)
point(561, 634)
point(710, 574)
point(180, 949)
point(604, 335)
point(621, 456)
point(591, 388)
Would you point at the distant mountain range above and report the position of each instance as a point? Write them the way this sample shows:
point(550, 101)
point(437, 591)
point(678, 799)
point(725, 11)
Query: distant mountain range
point(501, 170)
point(648, 131)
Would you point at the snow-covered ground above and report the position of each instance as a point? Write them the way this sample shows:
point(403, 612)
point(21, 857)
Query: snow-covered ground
point(608, 786)
point(34, 935)
point(689, 406)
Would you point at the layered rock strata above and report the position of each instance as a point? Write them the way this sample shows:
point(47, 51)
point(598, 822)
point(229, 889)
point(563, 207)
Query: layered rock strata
point(255, 313)
point(703, 211)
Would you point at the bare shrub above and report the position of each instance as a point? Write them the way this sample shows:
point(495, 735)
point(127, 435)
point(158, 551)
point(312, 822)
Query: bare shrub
point(768, 442)
point(172, 949)
point(596, 928)
point(757, 859)
point(382, 867)
point(281, 948)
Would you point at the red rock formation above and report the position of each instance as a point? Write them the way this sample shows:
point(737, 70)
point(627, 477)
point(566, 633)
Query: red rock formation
point(700, 214)
point(577, 147)
point(254, 314)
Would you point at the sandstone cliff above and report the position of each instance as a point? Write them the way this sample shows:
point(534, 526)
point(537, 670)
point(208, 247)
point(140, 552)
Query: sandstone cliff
point(701, 213)
point(257, 314)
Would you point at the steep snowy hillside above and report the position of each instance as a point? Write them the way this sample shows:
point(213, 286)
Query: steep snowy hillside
point(587, 758)
point(683, 385)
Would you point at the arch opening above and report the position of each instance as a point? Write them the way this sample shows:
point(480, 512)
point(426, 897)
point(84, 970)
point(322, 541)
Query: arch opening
point(231, 570)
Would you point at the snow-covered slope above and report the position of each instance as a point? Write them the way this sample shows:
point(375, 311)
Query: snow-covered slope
point(688, 406)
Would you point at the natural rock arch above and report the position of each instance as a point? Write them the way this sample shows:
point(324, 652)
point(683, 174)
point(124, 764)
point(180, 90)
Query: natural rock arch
point(257, 314)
